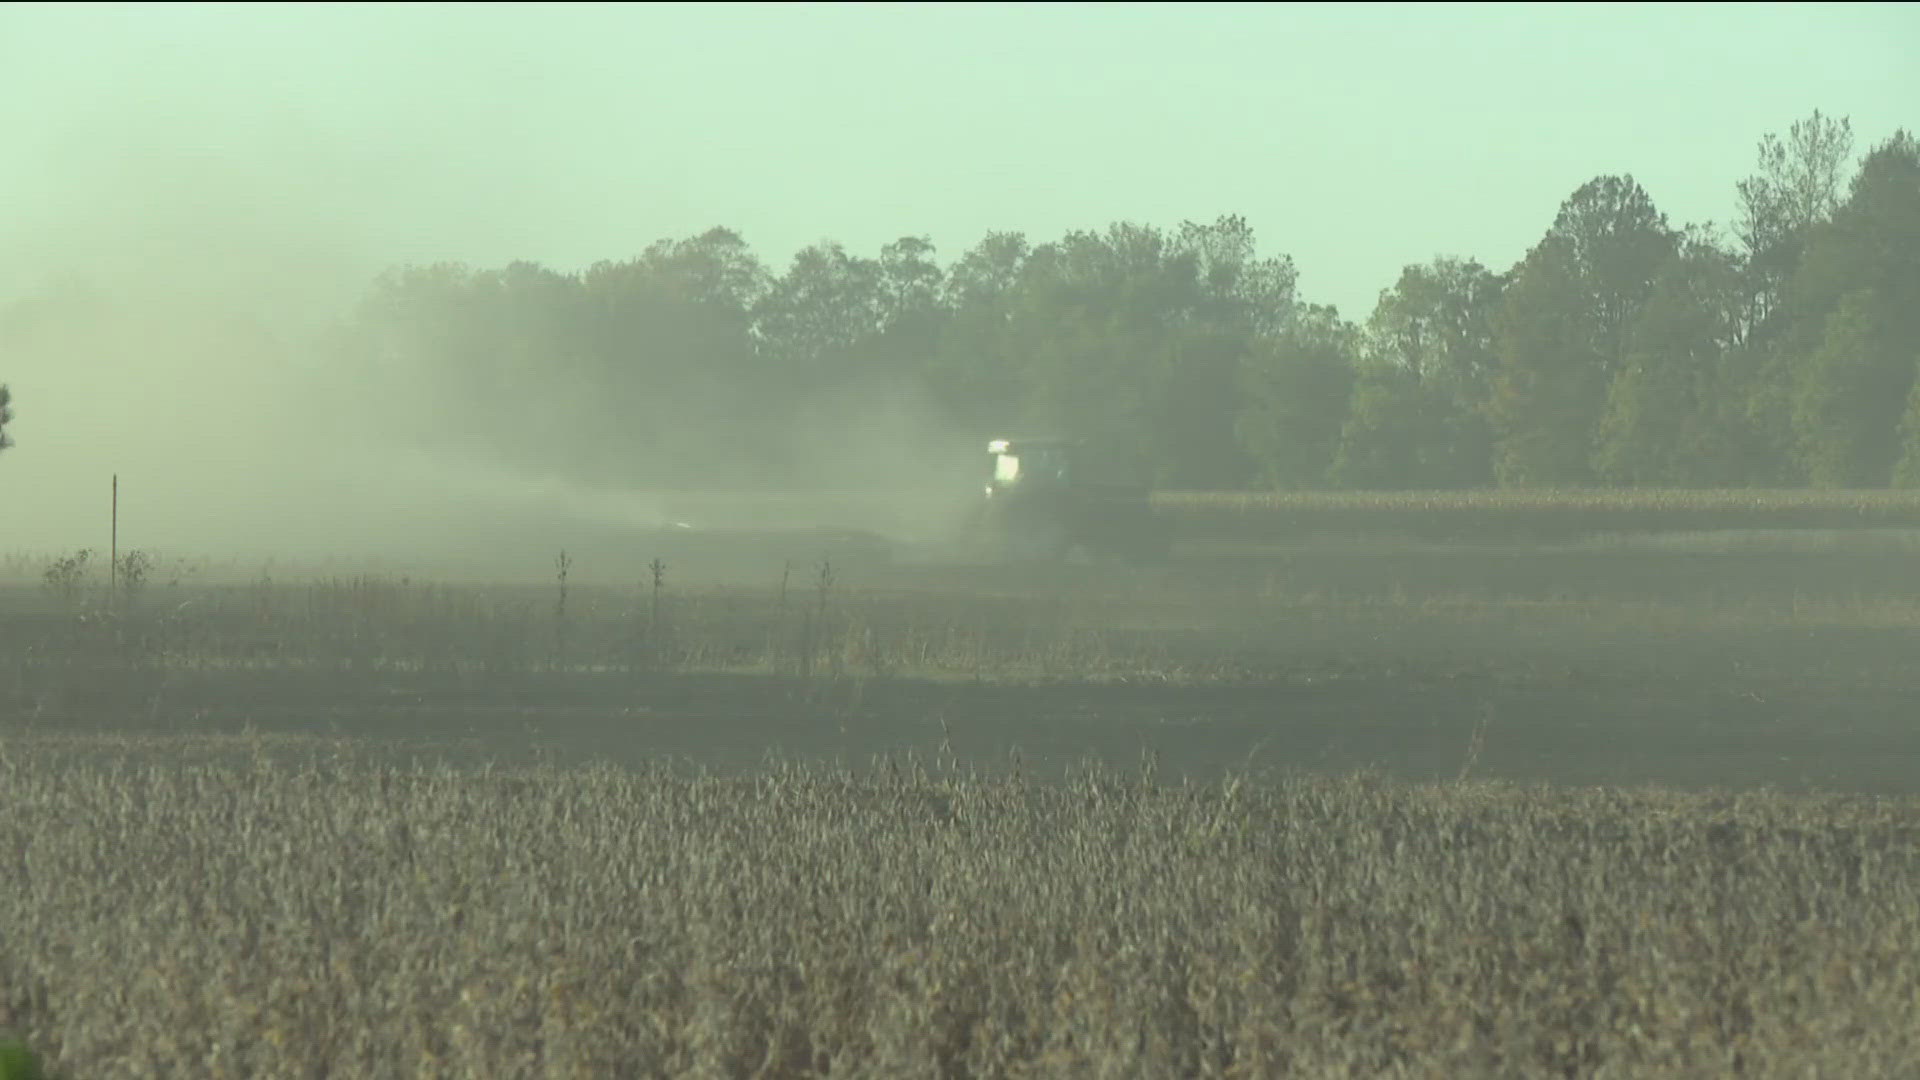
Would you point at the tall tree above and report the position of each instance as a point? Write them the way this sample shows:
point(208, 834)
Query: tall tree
point(669, 335)
point(715, 268)
point(1906, 471)
point(1854, 310)
point(1095, 328)
point(1672, 413)
point(1134, 339)
point(1237, 288)
point(977, 370)
point(1420, 400)
point(818, 320)
point(1563, 328)
point(1297, 390)
point(1851, 397)
point(1797, 186)
point(1396, 434)
point(1191, 438)
point(6, 415)
point(1240, 301)
point(911, 279)
point(913, 309)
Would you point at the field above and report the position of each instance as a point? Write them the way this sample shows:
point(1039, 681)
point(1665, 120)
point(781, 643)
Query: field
point(1622, 805)
point(1539, 514)
point(212, 911)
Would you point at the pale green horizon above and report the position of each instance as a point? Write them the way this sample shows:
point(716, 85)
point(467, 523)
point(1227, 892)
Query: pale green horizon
point(1355, 138)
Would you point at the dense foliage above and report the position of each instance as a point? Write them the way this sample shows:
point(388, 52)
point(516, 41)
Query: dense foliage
point(1620, 350)
point(1779, 351)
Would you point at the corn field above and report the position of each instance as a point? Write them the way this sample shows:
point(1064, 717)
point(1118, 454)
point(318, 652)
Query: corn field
point(1524, 514)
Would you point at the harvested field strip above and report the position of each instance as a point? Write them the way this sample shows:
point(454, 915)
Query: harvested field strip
point(1528, 514)
point(190, 912)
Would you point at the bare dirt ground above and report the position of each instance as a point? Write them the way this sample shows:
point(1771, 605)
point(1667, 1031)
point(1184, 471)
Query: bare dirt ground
point(1621, 731)
point(1689, 669)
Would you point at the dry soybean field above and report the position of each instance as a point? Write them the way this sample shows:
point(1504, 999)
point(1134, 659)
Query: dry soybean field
point(1617, 806)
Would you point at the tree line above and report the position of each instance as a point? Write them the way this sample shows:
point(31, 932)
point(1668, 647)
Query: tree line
point(1778, 351)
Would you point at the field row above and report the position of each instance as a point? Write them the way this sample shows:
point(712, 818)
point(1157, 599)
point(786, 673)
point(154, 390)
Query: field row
point(1516, 515)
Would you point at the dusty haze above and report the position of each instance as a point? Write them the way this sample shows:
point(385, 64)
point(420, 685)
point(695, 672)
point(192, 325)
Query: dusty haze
point(170, 287)
point(195, 196)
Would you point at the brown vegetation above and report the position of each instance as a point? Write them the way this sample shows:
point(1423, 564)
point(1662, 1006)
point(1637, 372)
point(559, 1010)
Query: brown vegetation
point(176, 900)
point(190, 912)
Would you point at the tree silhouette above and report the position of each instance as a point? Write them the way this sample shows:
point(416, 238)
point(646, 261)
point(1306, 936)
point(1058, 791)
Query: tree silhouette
point(1782, 347)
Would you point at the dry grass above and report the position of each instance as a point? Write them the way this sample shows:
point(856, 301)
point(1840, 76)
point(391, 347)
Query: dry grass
point(371, 623)
point(1261, 623)
point(195, 912)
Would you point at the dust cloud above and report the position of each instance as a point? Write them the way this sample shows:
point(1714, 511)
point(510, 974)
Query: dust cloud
point(236, 435)
point(174, 272)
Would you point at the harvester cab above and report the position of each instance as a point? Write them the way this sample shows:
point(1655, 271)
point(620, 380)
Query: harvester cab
point(1029, 464)
point(1045, 499)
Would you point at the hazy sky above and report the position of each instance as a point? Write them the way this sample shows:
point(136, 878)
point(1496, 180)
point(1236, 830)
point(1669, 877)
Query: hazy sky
point(207, 163)
point(1356, 139)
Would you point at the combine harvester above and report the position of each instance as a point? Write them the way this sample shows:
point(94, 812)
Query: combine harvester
point(1049, 499)
point(1044, 500)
